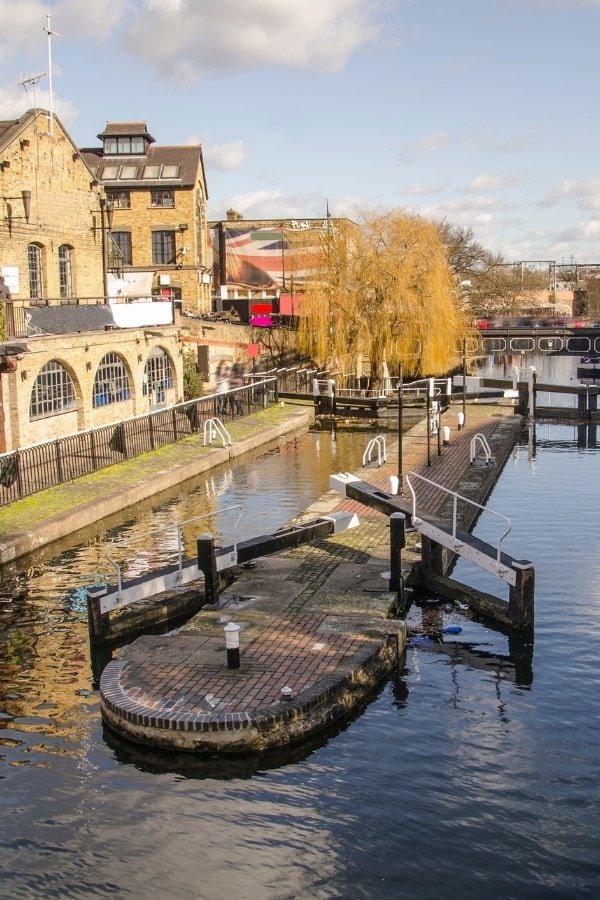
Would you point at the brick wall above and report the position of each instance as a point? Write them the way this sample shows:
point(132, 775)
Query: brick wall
point(80, 355)
point(64, 209)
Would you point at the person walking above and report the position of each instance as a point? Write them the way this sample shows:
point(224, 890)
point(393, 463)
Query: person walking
point(237, 380)
point(222, 385)
point(5, 293)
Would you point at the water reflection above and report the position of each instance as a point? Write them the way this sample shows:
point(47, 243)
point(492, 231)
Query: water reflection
point(46, 674)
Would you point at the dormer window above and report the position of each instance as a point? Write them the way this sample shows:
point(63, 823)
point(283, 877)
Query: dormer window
point(124, 146)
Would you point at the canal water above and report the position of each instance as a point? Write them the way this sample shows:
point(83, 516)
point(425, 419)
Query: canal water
point(472, 772)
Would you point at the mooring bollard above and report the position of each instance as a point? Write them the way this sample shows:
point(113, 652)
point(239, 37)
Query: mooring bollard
point(232, 645)
point(394, 484)
point(287, 693)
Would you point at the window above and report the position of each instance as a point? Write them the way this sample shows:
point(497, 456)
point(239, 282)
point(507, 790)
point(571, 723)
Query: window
point(158, 375)
point(151, 172)
point(129, 171)
point(34, 256)
point(162, 198)
point(123, 241)
point(53, 391)
point(65, 270)
point(111, 384)
point(163, 248)
point(119, 199)
point(170, 171)
point(110, 173)
point(124, 145)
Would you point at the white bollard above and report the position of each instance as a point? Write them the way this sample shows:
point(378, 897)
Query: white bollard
point(445, 435)
point(461, 420)
point(232, 645)
point(394, 484)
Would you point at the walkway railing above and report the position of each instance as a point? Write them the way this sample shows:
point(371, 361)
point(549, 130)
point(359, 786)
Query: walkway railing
point(455, 498)
point(148, 586)
point(35, 468)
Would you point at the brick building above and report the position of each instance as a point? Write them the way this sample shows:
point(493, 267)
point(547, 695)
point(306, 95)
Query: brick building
point(70, 360)
point(70, 380)
point(50, 246)
point(156, 196)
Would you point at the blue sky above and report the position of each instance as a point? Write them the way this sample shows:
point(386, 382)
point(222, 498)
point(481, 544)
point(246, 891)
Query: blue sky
point(481, 112)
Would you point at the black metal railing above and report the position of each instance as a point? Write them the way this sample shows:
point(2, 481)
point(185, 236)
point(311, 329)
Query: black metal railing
point(31, 469)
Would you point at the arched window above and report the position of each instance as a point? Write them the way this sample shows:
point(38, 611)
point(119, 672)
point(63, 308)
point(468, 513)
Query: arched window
point(65, 270)
point(158, 374)
point(111, 384)
point(36, 285)
point(53, 391)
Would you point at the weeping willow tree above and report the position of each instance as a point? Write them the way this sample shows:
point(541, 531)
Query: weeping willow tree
point(385, 293)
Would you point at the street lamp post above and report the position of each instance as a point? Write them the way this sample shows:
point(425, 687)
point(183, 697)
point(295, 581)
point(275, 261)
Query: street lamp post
point(464, 381)
point(106, 220)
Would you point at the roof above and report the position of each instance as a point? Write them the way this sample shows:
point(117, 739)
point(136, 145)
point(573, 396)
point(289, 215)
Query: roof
point(68, 319)
point(130, 129)
point(10, 129)
point(187, 157)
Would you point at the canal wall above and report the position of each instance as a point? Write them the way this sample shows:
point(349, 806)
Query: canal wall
point(40, 519)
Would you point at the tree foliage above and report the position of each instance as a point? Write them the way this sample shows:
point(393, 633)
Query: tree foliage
point(192, 381)
point(487, 285)
point(386, 294)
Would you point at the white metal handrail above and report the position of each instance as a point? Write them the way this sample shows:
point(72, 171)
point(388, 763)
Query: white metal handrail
point(178, 525)
point(378, 442)
point(213, 428)
point(456, 497)
point(482, 441)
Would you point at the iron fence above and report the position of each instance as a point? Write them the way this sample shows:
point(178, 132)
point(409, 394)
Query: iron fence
point(31, 469)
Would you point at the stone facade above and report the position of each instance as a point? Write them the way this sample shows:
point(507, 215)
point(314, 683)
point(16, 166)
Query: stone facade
point(157, 196)
point(38, 156)
point(81, 356)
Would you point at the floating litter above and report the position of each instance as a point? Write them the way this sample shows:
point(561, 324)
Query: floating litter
point(452, 629)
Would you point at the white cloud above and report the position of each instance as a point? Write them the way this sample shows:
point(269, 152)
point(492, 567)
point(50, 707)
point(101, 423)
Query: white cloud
point(25, 20)
point(274, 204)
point(421, 189)
point(426, 146)
point(15, 101)
point(484, 183)
point(521, 141)
point(186, 40)
point(224, 157)
point(586, 194)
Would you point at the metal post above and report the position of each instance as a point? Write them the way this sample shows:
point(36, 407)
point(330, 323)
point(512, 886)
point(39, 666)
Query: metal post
point(428, 418)
point(207, 563)
point(532, 380)
point(103, 235)
point(232, 645)
point(397, 544)
point(400, 428)
point(464, 375)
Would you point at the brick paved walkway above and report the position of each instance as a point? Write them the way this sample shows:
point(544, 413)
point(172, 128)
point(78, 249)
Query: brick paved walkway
point(314, 618)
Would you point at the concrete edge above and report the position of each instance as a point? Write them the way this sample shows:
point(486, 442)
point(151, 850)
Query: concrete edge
point(239, 732)
point(19, 543)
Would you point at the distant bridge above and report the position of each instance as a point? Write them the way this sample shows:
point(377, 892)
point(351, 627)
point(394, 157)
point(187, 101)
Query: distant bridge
point(577, 340)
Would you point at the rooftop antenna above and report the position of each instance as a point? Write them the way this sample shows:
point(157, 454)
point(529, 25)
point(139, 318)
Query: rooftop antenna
point(50, 34)
point(25, 83)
